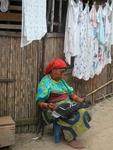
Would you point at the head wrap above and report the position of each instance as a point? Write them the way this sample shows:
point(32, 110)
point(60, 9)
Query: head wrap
point(56, 63)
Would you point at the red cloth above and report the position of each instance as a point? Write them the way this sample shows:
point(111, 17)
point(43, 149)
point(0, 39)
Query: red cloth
point(56, 63)
point(54, 97)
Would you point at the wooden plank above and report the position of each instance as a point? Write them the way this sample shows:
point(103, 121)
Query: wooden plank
point(54, 23)
point(53, 48)
point(25, 86)
point(49, 2)
point(16, 46)
point(109, 77)
point(6, 107)
point(17, 0)
point(6, 120)
point(3, 100)
point(15, 7)
point(18, 93)
point(112, 66)
point(10, 26)
point(60, 15)
point(52, 15)
point(105, 80)
point(54, 35)
point(29, 69)
point(33, 79)
point(6, 80)
point(7, 135)
point(25, 121)
point(10, 34)
point(4, 52)
point(11, 74)
point(10, 17)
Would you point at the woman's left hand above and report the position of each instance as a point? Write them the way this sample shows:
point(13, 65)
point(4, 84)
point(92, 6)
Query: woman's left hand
point(77, 98)
point(80, 99)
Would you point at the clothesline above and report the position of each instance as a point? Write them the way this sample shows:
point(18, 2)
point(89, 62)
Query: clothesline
point(89, 1)
point(95, 3)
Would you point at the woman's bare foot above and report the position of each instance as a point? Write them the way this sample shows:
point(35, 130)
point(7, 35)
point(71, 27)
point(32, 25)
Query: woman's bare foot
point(76, 144)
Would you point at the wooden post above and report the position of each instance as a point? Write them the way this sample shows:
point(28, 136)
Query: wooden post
point(52, 15)
point(48, 9)
point(60, 15)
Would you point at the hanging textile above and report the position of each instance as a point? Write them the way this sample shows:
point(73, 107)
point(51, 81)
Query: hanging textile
point(100, 29)
point(108, 35)
point(101, 40)
point(71, 41)
point(83, 61)
point(33, 21)
point(4, 5)
point(112, 23)
point(92, 45)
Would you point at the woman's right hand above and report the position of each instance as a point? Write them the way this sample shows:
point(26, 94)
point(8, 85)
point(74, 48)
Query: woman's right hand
point(51, 106)
point(44, 105)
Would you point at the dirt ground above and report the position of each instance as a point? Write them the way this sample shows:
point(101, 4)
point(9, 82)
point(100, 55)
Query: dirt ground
point(99, 137)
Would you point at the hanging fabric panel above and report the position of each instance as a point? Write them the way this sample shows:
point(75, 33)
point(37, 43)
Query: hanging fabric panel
point(34, 24)
point(112, 23)
point(71, 41)
point(89, 38)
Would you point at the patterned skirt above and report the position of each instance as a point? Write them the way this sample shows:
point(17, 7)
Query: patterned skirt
point(72, 127)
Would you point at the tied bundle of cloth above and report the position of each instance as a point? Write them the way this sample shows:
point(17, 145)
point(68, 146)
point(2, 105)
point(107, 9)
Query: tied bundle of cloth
point(66, 110)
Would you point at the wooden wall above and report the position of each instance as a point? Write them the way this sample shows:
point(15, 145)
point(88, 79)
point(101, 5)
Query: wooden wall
point(10, 20)
point(21, 70)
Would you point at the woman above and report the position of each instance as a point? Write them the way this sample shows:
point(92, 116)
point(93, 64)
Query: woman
point(54, 91)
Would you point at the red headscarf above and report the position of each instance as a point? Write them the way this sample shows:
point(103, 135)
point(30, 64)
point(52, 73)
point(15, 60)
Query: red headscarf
point(56, 63)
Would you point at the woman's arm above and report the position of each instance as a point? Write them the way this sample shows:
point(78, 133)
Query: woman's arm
point(44, 105)
point(70, 92)
point(76, 98)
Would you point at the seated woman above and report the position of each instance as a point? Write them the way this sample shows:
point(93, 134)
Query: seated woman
point(53, 91)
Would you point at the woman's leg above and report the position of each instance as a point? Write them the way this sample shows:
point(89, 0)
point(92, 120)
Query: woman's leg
point(74, 126)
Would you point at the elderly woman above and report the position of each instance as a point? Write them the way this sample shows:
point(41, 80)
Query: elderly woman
point(53, 91)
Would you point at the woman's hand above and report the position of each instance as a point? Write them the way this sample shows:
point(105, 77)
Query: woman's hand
point(51, 106)
point(77, 98)
point(80, 100)
point(44, 105)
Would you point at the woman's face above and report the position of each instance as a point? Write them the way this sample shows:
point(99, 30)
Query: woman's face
point(58, 74)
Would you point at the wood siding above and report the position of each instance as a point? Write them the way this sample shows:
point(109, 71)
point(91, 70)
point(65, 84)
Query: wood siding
point(21, 70)
point(22, 67)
